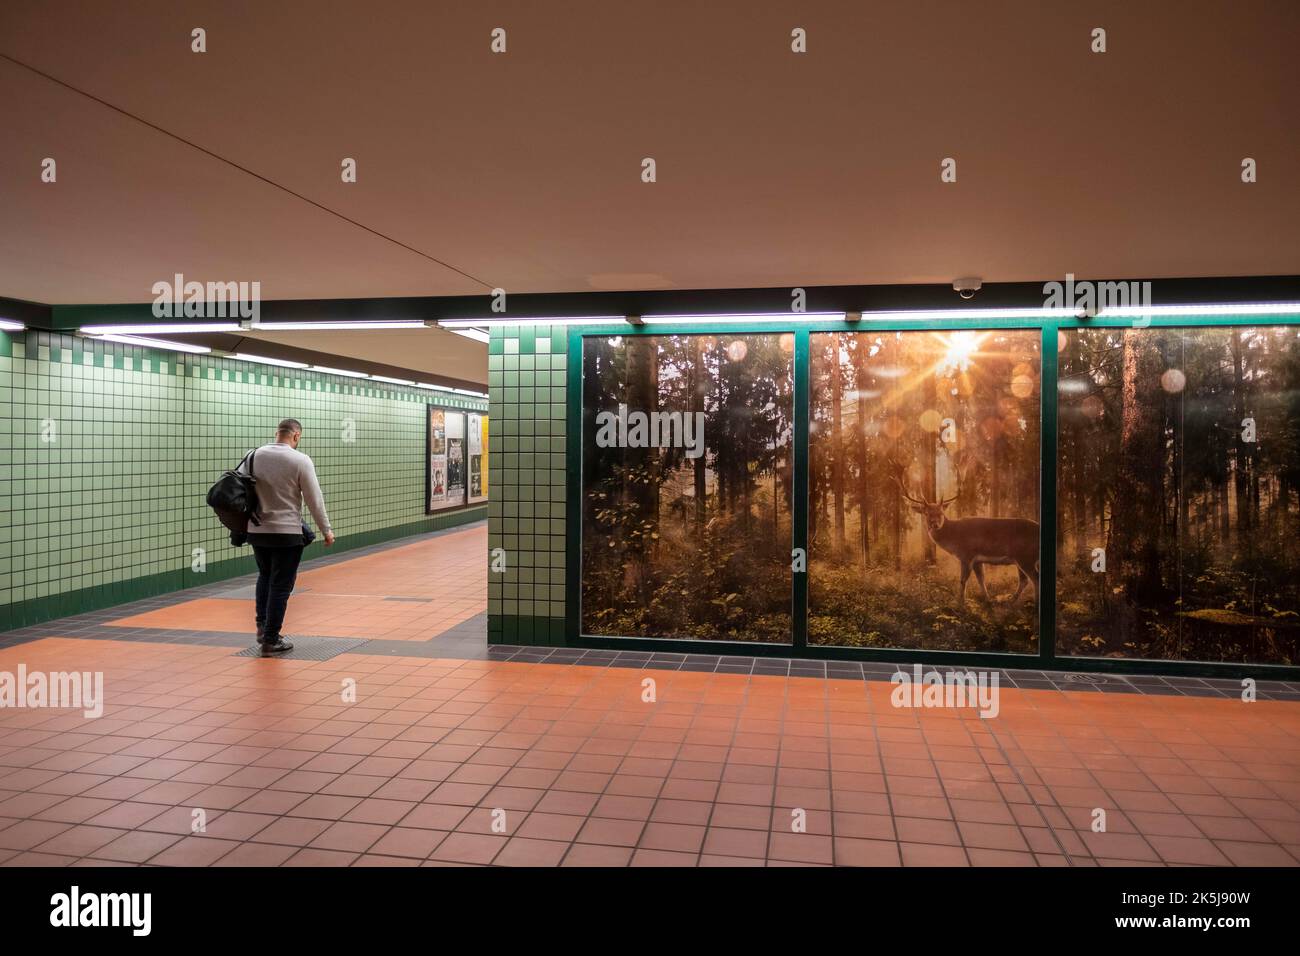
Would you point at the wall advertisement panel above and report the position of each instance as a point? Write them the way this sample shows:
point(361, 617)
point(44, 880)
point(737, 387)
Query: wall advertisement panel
point(457, 471)
point(476, 439)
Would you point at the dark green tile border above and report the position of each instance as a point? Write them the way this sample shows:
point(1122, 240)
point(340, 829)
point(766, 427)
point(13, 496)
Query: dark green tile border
point(525, 629)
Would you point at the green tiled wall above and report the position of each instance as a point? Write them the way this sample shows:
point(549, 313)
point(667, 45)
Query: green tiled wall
point(111, 509)
point(526, 379)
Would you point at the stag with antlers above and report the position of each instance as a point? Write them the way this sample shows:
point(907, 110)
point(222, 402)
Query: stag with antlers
point(976, 542)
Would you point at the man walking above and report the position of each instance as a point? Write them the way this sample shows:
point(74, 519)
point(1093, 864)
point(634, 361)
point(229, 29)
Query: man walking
point(285, 479)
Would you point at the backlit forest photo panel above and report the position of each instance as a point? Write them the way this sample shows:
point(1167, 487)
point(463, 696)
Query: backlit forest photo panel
point(924, 490)
point(1179, 494)
point(687, 452)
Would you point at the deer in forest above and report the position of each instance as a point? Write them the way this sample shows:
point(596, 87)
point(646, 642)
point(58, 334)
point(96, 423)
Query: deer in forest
point(975, 542)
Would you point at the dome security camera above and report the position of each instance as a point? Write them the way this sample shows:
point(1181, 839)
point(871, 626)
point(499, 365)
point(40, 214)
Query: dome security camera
point(966, 288)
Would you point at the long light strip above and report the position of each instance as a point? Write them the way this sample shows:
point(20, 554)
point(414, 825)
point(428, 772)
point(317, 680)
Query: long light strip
point(741, 317)
point(155, 343)
point(556, 320)
point(478, 335)
point(446, 388)
point(345, 326)
point(1235, 308)
point(338, 371)
point(160, 328)
point(266, 360)
point(973, 314)
point(9, 325)
point(895, 315)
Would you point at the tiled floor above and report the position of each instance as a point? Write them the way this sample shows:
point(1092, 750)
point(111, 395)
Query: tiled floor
point(405, 593)
point(454, 754)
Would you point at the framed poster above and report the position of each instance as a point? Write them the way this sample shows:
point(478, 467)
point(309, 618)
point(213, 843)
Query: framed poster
point(437, 477)
point(456, 474)
point(456, 458)
point(476, 442)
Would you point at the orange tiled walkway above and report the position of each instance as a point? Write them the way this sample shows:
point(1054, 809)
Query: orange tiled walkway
point(348, 599)
point(587, 774)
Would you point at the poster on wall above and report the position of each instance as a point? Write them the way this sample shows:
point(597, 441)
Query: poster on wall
point(477, 449)
point(455, 458)
point(446, 477)
point(437, 459)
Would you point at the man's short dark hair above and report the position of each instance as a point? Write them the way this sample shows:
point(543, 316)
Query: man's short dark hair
point(290, 426)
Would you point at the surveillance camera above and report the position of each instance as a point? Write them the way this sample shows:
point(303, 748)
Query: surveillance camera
point(966, 288)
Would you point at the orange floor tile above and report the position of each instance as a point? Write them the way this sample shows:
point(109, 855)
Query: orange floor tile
point(352, 598)
point(450, 762)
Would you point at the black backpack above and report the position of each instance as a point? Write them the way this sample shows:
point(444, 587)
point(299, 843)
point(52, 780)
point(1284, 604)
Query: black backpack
point(234, 499)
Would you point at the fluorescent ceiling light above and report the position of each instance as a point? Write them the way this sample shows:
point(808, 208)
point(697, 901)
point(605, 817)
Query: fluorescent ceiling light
point(739, 317)
point(358, 325)
point(161, 328)
point(338, 371)
point(1233, 308)
point(266, 360)
point(444, 388)
point(973, 314)
point(155, 343)
point(478, 335)
point(555, 320)
point(395, 381)
point(9, 325)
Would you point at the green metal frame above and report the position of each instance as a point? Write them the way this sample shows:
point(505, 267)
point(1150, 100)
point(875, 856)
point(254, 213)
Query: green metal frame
point(1046, 658)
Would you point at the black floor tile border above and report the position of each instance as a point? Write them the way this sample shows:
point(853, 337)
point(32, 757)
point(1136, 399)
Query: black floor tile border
point(877, 672)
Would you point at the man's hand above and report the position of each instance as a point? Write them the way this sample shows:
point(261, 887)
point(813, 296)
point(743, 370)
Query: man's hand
point(329, 538)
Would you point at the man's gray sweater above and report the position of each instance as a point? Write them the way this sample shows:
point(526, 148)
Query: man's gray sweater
point(285, 479)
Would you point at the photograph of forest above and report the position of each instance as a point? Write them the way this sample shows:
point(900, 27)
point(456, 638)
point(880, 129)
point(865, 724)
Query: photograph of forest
point(1179, 494)
point(688, 542)
point(924, 490)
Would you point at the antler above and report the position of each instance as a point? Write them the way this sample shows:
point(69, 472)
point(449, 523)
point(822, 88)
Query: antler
point(896, 477)
point(962, 466)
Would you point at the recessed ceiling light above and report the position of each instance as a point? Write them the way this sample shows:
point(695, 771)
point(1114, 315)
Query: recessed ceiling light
point(506, 320)
point(160, 328)
point(266, 360)
point(155, 343)
point(338, 371)
point(349, 326)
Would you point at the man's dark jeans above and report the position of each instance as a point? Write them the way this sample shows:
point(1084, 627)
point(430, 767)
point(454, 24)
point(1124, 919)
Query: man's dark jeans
point(277, 569)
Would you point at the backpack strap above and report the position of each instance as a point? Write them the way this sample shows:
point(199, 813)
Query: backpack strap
point(252, 454)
